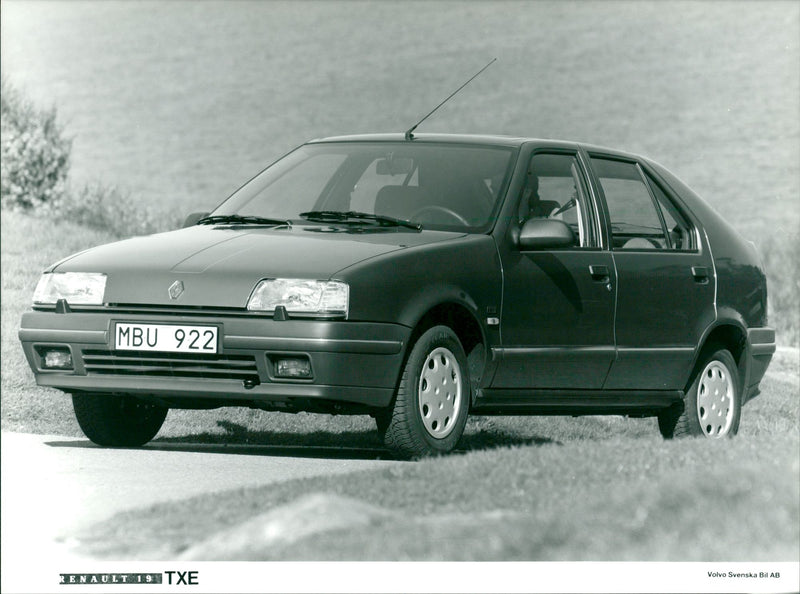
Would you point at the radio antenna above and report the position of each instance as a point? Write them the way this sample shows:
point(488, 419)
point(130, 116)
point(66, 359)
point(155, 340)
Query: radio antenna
point(409, 132)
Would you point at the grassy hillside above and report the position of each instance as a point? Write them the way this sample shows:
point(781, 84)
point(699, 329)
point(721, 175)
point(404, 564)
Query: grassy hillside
point(27, 245)
point(215, 90)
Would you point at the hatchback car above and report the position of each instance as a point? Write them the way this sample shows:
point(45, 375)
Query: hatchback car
point(418, 279)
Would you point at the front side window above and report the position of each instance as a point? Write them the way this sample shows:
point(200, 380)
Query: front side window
point(440, 186)
point(636, 223)
point(555, 189)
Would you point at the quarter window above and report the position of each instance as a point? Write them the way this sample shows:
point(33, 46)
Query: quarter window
point(636, 223)
point(678, 230)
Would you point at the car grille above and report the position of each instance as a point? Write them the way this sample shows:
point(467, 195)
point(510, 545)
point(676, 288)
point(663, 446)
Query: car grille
point(190, 365)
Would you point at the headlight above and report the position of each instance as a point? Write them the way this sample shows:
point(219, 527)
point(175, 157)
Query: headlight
point(78, 288)
point(301, 296)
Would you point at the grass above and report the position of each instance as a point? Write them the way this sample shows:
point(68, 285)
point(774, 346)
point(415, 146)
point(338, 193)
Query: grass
point(621, 499)
point(108, 209)
point(709, 89)
point(781, 257)
point(29, 244)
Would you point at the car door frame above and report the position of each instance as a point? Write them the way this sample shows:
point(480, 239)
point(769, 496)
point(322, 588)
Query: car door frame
point(671, 360)
point(568, 358)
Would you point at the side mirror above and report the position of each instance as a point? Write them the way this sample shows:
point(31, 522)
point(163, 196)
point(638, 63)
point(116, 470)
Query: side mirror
point(192, 219)
point(537, 234)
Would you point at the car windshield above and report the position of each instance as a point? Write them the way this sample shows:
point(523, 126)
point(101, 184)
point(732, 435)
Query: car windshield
point(436, 186)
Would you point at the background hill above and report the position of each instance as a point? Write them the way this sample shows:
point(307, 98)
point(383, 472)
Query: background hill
point(181, 102)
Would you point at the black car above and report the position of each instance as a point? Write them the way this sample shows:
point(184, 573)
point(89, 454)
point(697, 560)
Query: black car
point(418, 279)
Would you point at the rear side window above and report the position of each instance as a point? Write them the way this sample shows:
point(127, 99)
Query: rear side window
point(636, 222)
point(678, 230)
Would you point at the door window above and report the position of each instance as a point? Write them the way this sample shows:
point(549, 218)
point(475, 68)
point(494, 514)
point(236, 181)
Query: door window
point(636, 222)
point(555, 189)
point(678, 230)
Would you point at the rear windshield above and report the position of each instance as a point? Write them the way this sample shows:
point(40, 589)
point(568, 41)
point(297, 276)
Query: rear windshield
point(440, 186)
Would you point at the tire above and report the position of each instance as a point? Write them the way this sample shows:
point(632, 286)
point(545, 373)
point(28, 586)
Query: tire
point(118, 421)
point(712, 406)
point(432, 400)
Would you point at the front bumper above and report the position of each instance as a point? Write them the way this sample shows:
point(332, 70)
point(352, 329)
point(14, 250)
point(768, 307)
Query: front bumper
point(760, 348)
point(352, 362)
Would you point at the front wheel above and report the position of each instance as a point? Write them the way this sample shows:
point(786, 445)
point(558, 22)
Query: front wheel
point(712, 406)
point(433, 397)
point(118, 421)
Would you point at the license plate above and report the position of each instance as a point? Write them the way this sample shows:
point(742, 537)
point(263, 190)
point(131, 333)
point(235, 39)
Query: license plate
point(165, 338)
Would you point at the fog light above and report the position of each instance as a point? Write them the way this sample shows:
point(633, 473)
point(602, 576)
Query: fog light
point(57, 359)
point(294, 368)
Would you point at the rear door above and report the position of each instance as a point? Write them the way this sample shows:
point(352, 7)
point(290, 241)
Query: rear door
point(665, 277)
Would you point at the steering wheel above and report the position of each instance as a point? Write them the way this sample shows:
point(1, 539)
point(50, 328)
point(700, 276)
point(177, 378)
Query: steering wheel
point(444, 209)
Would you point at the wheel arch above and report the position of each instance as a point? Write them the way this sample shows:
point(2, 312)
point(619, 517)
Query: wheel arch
point(460, 316)
point(728, 333)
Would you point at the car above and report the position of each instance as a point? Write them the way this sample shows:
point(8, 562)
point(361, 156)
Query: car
point(418, 279)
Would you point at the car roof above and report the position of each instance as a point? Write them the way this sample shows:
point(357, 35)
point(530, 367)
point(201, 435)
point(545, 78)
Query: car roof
point(484, 139)
point(480, 139)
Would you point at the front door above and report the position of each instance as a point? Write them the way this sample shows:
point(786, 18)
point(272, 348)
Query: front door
point(557, 322)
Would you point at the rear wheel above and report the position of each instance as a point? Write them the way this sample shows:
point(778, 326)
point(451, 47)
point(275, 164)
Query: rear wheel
point(433, 397)
point(712, 406)
point(110, 420)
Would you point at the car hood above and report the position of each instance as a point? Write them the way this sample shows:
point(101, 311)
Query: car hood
point(220, 266)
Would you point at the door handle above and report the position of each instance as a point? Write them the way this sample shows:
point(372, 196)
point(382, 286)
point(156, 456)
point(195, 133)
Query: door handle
point(599, 273)
point(700, 274)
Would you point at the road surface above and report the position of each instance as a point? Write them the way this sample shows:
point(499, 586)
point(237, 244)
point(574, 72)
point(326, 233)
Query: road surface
point(53, 487)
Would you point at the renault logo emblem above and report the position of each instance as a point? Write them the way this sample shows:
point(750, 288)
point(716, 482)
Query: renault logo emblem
point(175, 289)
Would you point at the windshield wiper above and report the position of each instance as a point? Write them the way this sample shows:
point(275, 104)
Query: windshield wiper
point(236, 219)
point(354, 216)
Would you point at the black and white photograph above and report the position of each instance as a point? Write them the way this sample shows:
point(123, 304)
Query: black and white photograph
point(400, 296)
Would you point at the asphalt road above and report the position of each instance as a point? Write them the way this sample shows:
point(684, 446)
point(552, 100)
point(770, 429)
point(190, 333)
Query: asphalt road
point(53, 486)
